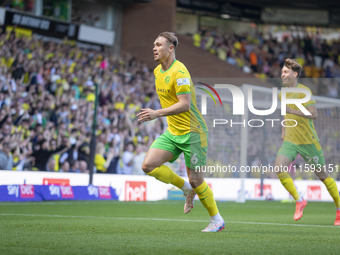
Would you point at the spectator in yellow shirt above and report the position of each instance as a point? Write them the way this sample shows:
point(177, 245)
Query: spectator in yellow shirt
point(99, 160)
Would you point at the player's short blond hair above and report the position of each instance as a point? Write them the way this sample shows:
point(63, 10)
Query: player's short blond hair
point(293, 65)
point(170, 37)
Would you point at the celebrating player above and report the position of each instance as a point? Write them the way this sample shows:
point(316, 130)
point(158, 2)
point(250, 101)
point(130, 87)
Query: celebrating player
point(302, 139)
point(186, 133)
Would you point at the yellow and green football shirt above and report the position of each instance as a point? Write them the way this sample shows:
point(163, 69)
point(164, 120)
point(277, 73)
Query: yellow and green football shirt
point(170, 83)
point(304, 132)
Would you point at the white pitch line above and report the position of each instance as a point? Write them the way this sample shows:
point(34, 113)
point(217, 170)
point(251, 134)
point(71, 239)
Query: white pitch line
point(160, 219)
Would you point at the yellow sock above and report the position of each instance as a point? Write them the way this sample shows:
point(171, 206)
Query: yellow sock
point(166, 175)
point(333, 190)
point(288, 183)
point(206, 197)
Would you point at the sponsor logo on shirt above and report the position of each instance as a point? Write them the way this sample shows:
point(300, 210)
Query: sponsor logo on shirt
point(183, 81)
point(163, 90)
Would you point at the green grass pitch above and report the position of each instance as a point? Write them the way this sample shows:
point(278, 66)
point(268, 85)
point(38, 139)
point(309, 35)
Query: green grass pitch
point(112, 227)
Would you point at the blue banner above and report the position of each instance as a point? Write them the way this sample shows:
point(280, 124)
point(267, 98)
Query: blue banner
point(24, 193)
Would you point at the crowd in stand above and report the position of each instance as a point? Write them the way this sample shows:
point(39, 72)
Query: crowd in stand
point(47, 93)
point(263, 144)
point(264, 57)
point(47, 106)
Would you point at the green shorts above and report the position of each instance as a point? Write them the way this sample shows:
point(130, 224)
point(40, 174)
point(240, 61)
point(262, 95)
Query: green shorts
point(309, 152)
point(193, 145)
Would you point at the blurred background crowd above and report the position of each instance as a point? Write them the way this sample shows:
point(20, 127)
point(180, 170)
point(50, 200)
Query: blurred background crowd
point(264, 55)
point(47, 94)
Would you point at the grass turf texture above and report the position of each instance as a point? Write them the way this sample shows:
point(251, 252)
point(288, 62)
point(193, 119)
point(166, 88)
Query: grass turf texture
point(112, 227)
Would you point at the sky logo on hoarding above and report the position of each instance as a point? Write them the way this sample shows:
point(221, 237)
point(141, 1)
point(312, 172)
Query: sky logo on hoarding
point(13, 190)
point(93, 190)
point(54, 190)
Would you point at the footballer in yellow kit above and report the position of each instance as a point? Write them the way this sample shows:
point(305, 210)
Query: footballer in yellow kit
point(187, 130)
point(186, 133)
point(300, 137)
point(177, 81)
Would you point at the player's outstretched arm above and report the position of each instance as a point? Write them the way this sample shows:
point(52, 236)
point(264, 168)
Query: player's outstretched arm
point(183, 105)
point(312, 109)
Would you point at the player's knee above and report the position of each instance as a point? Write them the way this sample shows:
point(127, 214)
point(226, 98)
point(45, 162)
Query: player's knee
point(148, 166)
point(195, 182)
point(322, 175)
